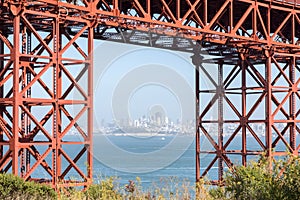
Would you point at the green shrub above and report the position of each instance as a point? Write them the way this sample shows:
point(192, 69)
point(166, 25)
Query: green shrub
point(104, 190)
point(13, 187)
point(217, 193)
point(278, 180)
point(291, 178)
point(252, 182)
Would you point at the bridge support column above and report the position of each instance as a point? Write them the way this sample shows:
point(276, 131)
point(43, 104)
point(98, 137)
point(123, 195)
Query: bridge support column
point(248, 110)
point(16, 99)
point(1, 96)
point(268, 107)
point(197, 61)
point(47, 97)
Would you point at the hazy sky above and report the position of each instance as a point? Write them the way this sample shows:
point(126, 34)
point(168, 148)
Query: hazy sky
point(131, 80)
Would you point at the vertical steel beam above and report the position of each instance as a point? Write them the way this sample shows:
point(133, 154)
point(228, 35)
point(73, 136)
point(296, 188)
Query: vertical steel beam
point(23, 114)
point(292, 103)
point(268, 90)
point(1, 96)
point(197, 113)
point(116, 8)
point(205, 13)
point(28, 94)
point(268, 104)
point(14, 144)
point(196, 60)
point(58, 112)
point(54, 120)
point(90, 104)
point(244, 111)
point(220, 91)
point(148, 3)
point(57, 86)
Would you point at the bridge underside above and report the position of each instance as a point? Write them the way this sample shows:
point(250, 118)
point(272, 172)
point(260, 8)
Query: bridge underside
point(252, 100)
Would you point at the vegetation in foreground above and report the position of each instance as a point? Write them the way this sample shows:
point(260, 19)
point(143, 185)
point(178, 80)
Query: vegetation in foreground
point(15, 188)
point(276, 180)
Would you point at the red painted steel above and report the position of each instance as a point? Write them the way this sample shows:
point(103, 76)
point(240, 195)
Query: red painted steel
point(36, 94)
point(257, 41)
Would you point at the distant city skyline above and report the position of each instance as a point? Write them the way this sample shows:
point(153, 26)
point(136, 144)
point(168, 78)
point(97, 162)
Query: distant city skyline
point(132, 81)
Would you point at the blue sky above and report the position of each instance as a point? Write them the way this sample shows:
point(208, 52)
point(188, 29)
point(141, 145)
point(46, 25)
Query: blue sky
point(139, 78)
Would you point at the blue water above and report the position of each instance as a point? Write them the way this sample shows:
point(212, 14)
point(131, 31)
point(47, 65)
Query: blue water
point(181, 169)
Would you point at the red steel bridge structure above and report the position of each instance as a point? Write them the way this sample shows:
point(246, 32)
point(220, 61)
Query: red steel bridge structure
point(258, 47)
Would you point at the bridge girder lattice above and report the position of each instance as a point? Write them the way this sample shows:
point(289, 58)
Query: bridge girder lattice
point(258, 47)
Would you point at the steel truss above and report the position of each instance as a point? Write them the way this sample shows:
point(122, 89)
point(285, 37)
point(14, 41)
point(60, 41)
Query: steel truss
point(258, 40)
point(247, 95)
point(38, 105)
